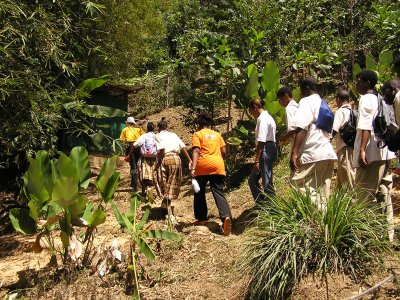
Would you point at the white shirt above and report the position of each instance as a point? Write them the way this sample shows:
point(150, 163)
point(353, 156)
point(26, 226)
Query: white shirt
point(139, 142)
point(367, 110)
point(265, 128)
point(342, 116)
point(169, 141)
point(290, 113)
point(396, 107)
point(316, 145)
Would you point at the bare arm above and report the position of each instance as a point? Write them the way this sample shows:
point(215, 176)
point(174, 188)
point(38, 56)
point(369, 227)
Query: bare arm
point(223, 151)
point(259, 149)
point(365, 136)
point(195, 159)
point(298, 140)
point(187, 156)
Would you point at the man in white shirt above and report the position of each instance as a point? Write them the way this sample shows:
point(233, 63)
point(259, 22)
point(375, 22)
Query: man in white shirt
point(285, 99)
point(345, 171)
point(266, 152)
point(373, 176)
point(312, 156)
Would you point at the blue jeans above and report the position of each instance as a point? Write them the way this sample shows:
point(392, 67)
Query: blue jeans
point(267, 160)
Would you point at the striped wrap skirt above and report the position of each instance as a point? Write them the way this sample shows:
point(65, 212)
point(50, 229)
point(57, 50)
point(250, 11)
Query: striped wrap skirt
point(171, 176)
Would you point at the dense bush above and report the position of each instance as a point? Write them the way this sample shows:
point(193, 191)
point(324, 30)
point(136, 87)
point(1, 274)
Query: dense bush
point(292, 239)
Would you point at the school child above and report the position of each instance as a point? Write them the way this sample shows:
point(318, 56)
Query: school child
point(286, 100)
point(373, 177)
point(391, 93)
point(129, 135)
point(312, 156)
point(266, 152)
point(344, 152)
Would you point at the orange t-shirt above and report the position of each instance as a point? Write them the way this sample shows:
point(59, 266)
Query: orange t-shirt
point(210, 160)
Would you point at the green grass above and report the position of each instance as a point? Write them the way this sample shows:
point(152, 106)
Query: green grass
point(292, 238)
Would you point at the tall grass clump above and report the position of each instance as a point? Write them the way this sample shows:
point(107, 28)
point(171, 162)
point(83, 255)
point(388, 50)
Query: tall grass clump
point(292, 238)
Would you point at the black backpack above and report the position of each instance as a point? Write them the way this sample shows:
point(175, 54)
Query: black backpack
point(348, 131)
point(384, 124)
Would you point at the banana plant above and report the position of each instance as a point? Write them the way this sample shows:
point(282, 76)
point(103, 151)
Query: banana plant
point(54, 189)
point(140, 234)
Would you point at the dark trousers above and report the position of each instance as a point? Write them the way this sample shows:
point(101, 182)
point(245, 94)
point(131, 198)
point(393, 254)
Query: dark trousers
point(133, 159)
point(217, 189)
point(267, 161)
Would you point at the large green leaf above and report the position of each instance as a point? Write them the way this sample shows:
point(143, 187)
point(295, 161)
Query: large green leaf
point(98, 217)
point(80, 159)
point(100, 140)
point(234, 141)
point(145, 249)
point(118, 215)
point(296, 94)
point(78, 206)
point(273, 107)
point(370, 62)
point(88, 212)
point(108, 192)
point(65, 191)
point(34, 184)
point(90, 84)
point(66, 167)
point(105, 111)
point(162, 235)
point(356, 70)
point(35, 207)
point(252, 84)
point(270, 77)
point(22, 221)
point(385, 58)
point(106, 171)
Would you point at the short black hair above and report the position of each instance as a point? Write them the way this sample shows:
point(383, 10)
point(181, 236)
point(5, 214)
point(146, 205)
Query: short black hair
point(150, 127)
point(204, 119)
point(310, 84)
point(162, 124)
point(343, 95)
point(284, 90)
point(392, 83)
point(256, 103)
point(368, 75)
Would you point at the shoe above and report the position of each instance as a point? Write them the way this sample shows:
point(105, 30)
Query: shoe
point(200, 223)
point(226, 226)
point(172, 219)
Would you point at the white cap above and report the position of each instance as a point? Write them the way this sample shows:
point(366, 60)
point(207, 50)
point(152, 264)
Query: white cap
point(131, 120)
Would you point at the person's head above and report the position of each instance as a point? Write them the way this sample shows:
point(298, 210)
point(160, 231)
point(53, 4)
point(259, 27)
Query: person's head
point(390, 89)
point(150, 127)
point(162, 125)
point(342, 97)
point(366, 81)
point(256, 106)
point(284, 95)
point(130, 121)
point(308, 86)
point(204, 120)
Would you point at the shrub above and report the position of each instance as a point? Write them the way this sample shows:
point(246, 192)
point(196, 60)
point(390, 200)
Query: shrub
point(292, 238)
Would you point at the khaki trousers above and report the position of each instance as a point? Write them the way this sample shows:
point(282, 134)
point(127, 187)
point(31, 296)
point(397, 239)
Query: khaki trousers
point(345, 172)
point(375, 183)
point(315, 178)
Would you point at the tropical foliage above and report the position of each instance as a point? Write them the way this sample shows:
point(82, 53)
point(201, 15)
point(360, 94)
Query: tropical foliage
point(54, 189)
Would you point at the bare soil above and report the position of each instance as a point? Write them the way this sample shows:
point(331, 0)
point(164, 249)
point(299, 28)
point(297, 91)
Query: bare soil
point(202, 266)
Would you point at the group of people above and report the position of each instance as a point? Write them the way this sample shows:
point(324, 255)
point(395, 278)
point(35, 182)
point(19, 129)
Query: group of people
point(362, 165)
point(154, 160)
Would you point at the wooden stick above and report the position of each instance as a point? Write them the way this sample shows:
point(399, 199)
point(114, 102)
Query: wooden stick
point(376, 286)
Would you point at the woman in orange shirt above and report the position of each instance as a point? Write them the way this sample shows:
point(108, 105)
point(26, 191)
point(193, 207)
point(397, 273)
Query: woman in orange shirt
point(208, 166)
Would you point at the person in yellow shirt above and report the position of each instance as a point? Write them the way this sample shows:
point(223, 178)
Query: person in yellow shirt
point(129, 135)
point(208, 166)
